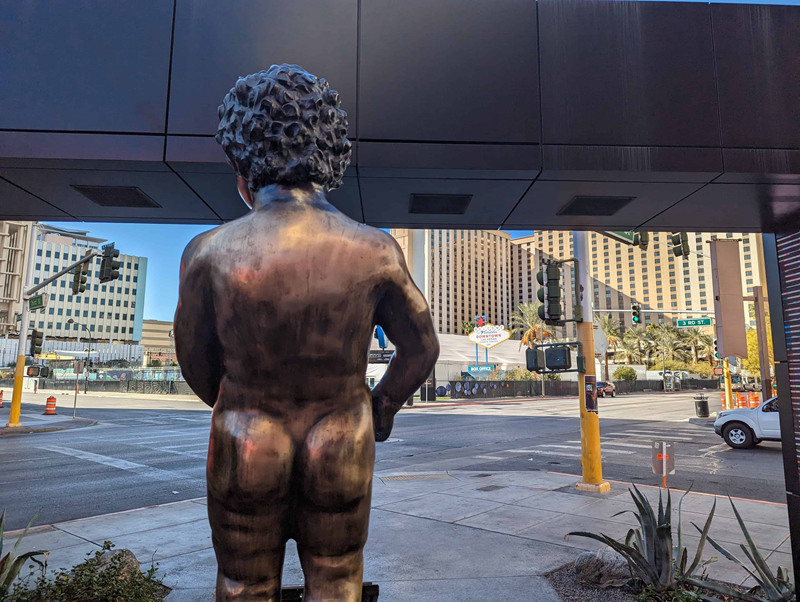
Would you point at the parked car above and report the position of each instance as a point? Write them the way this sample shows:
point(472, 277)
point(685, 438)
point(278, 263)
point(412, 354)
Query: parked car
point(746, 427)
point(606, 389)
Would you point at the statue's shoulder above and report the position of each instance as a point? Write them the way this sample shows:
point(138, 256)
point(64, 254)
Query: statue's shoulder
point(198, 245)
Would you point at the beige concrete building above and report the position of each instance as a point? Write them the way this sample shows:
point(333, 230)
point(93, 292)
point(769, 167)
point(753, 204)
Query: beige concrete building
point(13, 244)
point(622, 275)
point(108, 312)
point(463, 273)
point(158, 342)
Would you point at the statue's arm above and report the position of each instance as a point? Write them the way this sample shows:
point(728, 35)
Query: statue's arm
point(196, 343)
point(404, 315)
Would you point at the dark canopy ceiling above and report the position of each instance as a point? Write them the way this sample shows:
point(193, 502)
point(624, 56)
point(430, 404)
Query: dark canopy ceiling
point(666, 115)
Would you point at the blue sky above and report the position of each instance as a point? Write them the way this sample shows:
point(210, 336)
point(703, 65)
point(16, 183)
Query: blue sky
point(162, 244)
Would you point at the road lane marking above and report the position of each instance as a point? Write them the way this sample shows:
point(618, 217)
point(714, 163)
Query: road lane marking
point(605, 441)
point(610, 451)
point(548, 453)
point(489, 458)
point(140, 469)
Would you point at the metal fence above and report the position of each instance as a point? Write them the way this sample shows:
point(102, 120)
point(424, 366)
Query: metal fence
point(484, 389)
point(158, 387)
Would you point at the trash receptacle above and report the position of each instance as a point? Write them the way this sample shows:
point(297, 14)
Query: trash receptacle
point(701, 406)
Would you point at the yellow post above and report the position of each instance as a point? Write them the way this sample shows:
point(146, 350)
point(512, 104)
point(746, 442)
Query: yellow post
point(726, 370)
point(591, 460)
point(16, 396)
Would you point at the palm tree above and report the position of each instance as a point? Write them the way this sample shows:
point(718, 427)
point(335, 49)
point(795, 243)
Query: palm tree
point(629, 349)
point(467, 327)
point(665, 339)
point(525, 320)
point(637, 336)
point(610, 328)
point(695, 340)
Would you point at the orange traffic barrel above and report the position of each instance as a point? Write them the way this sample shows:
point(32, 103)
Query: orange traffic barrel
point(50, 408)
point(752, 399)
point(1, 398)
point(741, 400)
point(722, 397)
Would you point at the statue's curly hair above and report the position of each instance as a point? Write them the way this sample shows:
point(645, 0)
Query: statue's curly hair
point(284, 126)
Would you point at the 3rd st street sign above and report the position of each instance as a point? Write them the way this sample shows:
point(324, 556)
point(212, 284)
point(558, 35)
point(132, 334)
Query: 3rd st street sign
point(692, 323)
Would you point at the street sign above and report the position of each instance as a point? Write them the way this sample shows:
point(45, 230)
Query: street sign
point(622, 236)
point(489, 335)
point(663, 458)
point(37, 302)
point(481, 368)
point(692, 323)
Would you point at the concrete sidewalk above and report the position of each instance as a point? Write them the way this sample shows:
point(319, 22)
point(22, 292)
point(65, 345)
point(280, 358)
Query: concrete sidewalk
point(39, 423)
point(434, 536)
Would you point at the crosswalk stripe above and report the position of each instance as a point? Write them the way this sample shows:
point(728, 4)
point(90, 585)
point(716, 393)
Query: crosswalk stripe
point(605, 441)
point(610, 451)
point(548, 453)
point(140, 469)
point(488, 457)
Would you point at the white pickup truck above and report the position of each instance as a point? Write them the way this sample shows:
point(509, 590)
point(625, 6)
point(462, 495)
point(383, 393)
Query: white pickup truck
point(746, 427)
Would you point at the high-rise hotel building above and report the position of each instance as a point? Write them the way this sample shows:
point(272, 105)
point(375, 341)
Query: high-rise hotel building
point(463, 274)
point(445, 263)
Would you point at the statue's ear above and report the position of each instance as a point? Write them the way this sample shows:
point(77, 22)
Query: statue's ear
point(244, 191)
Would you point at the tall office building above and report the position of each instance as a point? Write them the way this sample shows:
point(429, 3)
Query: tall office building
point(110, 312)
point(463, 273)
point(622, 275)
point(444, 264)
point(13, 244)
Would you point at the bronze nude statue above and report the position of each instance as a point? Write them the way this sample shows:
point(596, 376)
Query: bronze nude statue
point(272, 330)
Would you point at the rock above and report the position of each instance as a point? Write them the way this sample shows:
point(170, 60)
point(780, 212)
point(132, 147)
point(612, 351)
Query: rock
point(603, 568)
point(128, 562)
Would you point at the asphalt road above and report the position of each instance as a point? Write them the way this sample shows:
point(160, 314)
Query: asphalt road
point(152, 451)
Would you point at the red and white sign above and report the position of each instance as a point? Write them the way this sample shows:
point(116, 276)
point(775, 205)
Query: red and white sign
point(489, 335)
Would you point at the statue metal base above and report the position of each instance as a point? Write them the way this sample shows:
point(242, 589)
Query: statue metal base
point(369, 593)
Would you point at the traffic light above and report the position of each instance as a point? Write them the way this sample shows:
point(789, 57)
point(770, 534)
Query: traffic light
point(78, 281)
point(109, 268)
point(33, 371)
point(680, 244)
point(37, 338)
point(636, 315)
point(641, 240)
point(550, 293)
point(716, 349)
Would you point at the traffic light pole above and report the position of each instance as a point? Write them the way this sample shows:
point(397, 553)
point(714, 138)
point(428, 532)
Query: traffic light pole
point(591, 460)
point(19, 371)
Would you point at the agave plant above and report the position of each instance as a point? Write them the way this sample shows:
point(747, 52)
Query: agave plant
point(649, 551)
point(774, 587)
point(11, 564)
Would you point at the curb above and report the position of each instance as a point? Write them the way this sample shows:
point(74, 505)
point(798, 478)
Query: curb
point(706, 422)
point(74, 423)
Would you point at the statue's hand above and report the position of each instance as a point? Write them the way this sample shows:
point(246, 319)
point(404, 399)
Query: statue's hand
point(382, 417)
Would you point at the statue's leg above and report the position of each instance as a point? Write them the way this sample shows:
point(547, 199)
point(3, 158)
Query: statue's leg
point(249, 469)
point(333, 515)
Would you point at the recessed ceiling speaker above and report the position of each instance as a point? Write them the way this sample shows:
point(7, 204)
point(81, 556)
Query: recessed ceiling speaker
point(588, 206)
point(116, 196)
point(439, 204)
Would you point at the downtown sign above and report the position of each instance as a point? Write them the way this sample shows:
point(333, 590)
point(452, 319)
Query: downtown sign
point(489, 335)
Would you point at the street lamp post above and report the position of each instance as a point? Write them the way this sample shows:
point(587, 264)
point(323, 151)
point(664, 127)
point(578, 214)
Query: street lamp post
point(88, 352)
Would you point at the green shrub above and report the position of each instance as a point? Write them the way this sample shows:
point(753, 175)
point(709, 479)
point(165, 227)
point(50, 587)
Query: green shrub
point(625, 373)
point(11, 564)
point(101, 577)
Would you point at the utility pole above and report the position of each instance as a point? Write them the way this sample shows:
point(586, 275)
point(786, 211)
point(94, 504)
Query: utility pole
point(726, 371)
point(591, 460)
point(19, 371)
point(763, 343)
point(16, 396)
